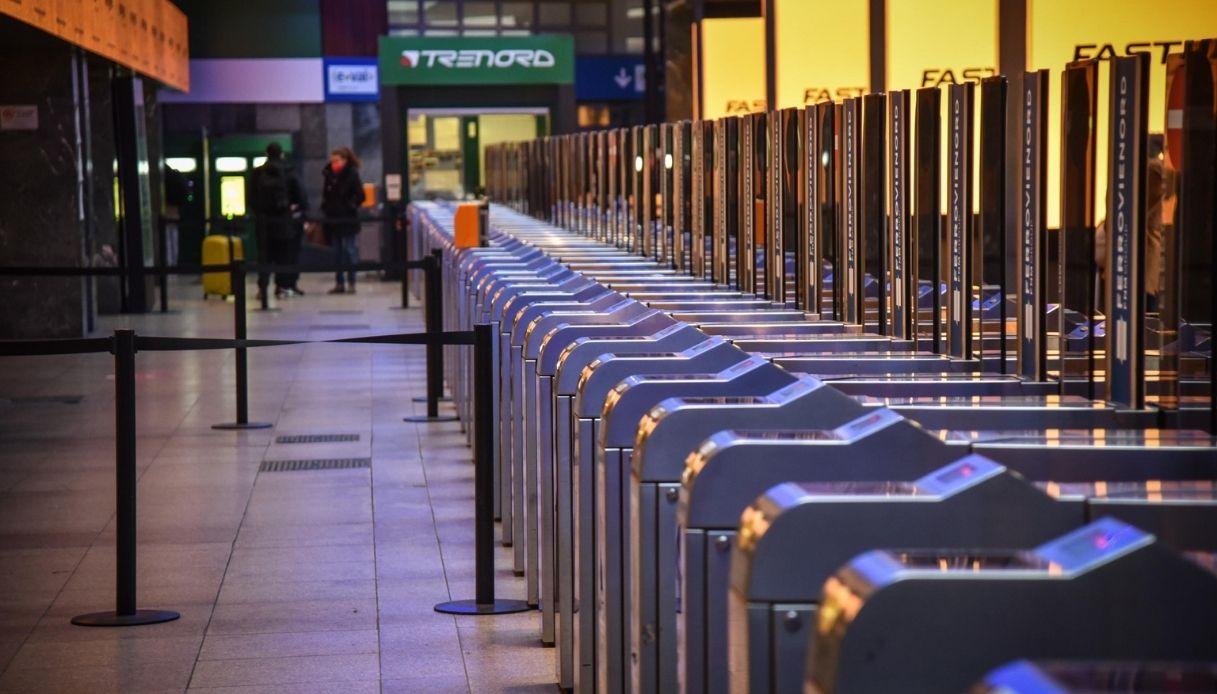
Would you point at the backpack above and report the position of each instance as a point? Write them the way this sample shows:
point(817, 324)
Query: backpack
point(272, 190)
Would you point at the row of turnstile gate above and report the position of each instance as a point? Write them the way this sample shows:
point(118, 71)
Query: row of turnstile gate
point(698, 486)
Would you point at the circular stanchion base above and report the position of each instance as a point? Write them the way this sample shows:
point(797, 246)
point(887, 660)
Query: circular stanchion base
point(114, 619)
point(423, 398)
point(472, 607)
point(422, 418)
point(237, 426)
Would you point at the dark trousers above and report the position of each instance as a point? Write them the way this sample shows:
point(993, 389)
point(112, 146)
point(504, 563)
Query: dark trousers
point(346, 252)
point(291, 256)
point(277, 252)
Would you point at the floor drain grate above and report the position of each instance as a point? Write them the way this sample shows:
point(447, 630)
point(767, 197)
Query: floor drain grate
point(319, 464)
point(336, 326)
point(44, 400)
point(317, 438)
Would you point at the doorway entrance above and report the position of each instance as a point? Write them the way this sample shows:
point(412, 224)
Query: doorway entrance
point(447, 147)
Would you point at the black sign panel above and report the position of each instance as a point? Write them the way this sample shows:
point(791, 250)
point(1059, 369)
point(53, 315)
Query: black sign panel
point(872, 240)
point(1033, 230)
point(990, 255)
point(787, 225)
point(650, 144)
point(847, 281)
point(898, 211)
point(1077, 278)
point(697, 195)
point(746, 261)
point(959, 220)
point(826, 238)
point(1126, 230)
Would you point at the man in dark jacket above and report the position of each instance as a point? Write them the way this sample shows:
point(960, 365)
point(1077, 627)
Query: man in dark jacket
point(278, 199)
point(341, 197)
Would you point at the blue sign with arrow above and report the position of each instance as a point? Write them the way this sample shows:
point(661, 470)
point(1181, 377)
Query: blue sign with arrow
point(609, 78)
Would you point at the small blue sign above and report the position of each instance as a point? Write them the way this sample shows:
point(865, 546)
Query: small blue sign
point(610, 78)
point(351, 79)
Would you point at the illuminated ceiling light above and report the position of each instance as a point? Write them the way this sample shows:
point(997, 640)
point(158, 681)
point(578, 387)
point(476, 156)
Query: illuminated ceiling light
point(182, 164)
point(231, 164)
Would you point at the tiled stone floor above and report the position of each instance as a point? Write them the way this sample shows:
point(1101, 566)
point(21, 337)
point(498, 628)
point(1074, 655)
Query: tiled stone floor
point(286, 581)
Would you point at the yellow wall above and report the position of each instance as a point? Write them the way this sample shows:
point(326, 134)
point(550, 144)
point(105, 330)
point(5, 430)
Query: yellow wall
point(932, 42)
point(822, 50)
point(1059, 31)
point(733, 66)
point(925, 50)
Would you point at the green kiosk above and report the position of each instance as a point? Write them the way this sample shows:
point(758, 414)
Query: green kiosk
point(217, 172)
point(451, 97)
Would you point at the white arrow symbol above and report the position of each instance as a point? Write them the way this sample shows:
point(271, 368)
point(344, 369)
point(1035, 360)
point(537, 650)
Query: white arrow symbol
point(622, 78)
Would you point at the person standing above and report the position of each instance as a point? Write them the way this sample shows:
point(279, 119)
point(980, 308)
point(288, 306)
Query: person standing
point(341, 197)
point(277, 198)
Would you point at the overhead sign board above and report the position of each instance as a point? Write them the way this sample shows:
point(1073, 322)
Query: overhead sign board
point(351, 79)
point(436, 60)
point(149, 36)
point(610, 78)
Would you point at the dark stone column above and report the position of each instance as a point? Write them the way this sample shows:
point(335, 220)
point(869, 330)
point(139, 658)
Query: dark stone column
point(41, 208)
point(101, 227)
point(136, 237)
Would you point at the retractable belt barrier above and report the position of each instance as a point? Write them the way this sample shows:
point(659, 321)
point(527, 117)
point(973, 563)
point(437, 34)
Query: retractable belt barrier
point(125, 344)
point(238, 270)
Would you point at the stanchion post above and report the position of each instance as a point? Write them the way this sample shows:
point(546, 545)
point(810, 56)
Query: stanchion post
point(163, 261)
point(239, 329)
point(405, 286)
point(263, 295)
point(484, 602)
point(433, 316)
point(126, 613)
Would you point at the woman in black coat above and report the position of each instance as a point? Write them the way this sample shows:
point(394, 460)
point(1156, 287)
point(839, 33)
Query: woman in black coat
point(341, 197)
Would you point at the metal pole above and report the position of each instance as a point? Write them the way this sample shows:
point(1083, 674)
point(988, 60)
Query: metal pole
point(163, 261)
point(483, 454)
point(125, 477)
point(125, 613)
point(405, 287)
point(435, 298)
point(400, 229)
point(483, 487)
point(433, 316)
point(239, 333)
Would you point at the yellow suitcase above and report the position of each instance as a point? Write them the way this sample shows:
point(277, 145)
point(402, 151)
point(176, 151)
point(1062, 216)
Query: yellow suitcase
point(215, 252)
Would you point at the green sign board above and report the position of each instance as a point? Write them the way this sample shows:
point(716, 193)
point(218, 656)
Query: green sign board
point(436, 60)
